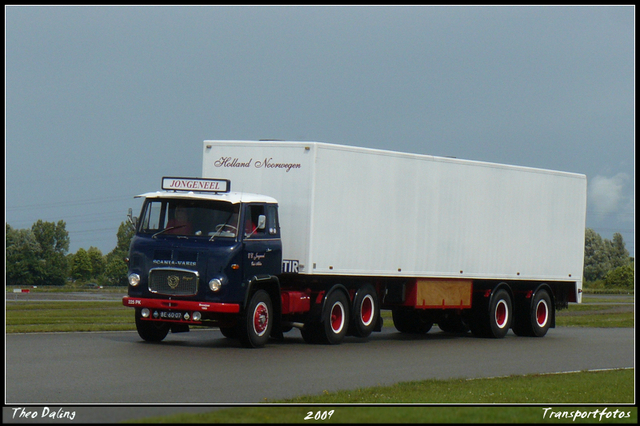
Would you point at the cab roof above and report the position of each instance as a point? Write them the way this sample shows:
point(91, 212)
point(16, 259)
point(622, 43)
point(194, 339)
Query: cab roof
point(229, 197)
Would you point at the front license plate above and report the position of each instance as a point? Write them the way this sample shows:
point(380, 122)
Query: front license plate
point(170, 315)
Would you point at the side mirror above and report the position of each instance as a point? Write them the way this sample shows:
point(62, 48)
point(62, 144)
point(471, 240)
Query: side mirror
point(262, 222)
point(132, 219)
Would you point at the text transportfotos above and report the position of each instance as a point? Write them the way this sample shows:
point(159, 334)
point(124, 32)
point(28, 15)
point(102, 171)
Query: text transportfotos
point(577, 414)
point(268, 163)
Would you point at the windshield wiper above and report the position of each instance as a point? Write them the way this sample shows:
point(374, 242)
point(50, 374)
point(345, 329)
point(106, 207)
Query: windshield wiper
point(226, 223)
point(167, 229)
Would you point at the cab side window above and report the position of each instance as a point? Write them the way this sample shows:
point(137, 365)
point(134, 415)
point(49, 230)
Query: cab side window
point(252, 217)
point(273, 226)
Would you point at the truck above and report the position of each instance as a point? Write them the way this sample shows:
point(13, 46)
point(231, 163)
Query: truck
point(277, 235)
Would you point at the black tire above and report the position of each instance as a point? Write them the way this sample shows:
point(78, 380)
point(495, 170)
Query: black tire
point(409, 320)
point(453, 323)
point(229, 332)
point(255, 327)
point(495, 319)
point(151, 331)
point(535, 318)
point(500, 314)
point(365, 311)
point(334, 323)
point(310, 333)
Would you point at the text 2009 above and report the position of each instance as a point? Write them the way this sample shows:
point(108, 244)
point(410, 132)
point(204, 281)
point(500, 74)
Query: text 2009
point(320, 415)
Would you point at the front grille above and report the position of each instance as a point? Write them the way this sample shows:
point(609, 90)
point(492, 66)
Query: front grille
point(173, 282)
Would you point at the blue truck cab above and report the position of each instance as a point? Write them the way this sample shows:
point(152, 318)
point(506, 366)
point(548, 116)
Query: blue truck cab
point(203, 255)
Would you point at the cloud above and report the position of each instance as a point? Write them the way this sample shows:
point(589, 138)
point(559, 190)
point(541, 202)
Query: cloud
point(606, 193)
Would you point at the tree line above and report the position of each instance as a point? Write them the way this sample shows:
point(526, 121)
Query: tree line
point(38, 256)
point(607, 262)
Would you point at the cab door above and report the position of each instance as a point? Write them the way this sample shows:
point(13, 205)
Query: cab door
point(261, 239)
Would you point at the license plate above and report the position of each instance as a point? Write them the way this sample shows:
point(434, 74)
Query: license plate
point(170, 315)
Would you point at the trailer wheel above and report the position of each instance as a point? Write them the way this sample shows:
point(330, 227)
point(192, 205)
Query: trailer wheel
point(453, 323)
point(254, 331)
point(151, 331)
point(409, 320)
point(365, 311)
point(536, 319)
point(495, 319)
point(335, 318)
point(500, 314)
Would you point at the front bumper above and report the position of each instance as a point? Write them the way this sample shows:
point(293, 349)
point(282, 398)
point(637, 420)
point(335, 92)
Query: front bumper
point(181, 305)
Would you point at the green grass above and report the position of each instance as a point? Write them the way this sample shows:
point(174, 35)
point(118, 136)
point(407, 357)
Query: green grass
point(29, 317)
point(596, 312)
point(588, 387)
point(398, 403)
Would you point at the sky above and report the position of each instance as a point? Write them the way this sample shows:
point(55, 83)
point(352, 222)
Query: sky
point(101, 102)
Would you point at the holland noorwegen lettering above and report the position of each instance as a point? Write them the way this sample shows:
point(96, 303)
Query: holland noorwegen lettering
point(268, 163)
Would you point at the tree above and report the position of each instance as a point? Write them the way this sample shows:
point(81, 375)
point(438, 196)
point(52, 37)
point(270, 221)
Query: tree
point(596, 262)
point(126, 231)
point(53, 243)
point(116, 270)
point(97, 262)
point(36, 256)
point(81, 265)
point(618, 254)
point(116, 267)
point(602, 257)
point(21, 257)
point(622, 276)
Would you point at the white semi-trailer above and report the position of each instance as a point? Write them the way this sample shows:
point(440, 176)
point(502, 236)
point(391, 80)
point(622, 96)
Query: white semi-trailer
point(341, 233)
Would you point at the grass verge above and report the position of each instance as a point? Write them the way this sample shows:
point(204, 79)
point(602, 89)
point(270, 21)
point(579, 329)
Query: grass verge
point(548, 391)
point(31, 317)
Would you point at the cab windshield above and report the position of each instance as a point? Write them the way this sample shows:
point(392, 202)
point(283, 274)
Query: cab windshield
point(189, 218)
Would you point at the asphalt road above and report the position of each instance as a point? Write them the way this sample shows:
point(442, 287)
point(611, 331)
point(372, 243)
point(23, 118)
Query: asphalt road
point(203, 367)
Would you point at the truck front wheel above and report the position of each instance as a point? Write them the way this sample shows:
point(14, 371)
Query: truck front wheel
point(151, 331)
point(255, 328)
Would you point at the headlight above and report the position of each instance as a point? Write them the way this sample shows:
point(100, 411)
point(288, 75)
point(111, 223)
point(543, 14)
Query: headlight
point(134, 279)
point(215, 284)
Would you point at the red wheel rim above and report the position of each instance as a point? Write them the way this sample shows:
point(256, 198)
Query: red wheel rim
point(366, 310)
point(337, 317)
point(260, 318)
point(502, 313)
point(542, 313)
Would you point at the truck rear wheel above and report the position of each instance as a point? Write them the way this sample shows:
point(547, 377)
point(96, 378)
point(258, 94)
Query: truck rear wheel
point(535, 318)
point(255, 328)
point(365, 311)
point(151, 331)
point(335, 318)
